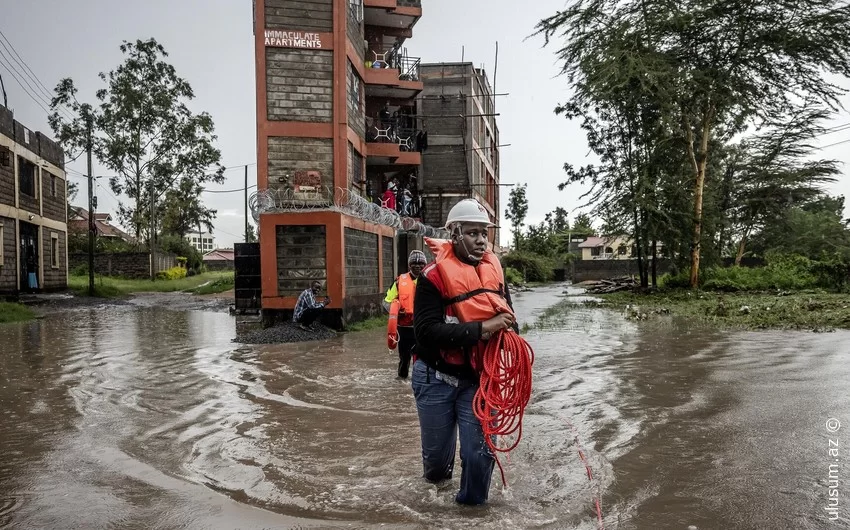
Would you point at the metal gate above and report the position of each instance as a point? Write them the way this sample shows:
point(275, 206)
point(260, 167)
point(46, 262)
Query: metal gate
point(247, 276)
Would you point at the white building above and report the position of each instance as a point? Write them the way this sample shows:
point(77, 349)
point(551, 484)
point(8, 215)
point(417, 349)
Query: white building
point(203, 241)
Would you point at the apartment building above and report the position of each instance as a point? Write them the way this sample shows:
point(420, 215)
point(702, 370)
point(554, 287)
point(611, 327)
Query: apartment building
point(336, 105)
point(33, 210)
point(202, 241)
point(457, 107)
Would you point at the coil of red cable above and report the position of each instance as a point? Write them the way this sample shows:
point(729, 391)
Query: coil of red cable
point(504, 390)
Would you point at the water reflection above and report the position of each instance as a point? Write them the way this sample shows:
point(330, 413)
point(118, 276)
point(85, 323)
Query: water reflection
point(141, 416)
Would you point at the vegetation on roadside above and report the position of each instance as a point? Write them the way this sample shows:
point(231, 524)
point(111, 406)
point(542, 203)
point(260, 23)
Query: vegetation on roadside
point(377, 322)
point(222, 284)
point(12, 312)
point(113, 287)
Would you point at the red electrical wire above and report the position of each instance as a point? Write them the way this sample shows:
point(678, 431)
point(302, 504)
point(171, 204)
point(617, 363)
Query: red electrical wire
point(505, 390)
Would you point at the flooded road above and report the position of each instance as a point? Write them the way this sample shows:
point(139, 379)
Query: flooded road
point(135, 416)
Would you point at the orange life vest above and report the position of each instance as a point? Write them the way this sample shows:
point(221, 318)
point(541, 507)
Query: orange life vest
point(406, 291)
point(473, 293)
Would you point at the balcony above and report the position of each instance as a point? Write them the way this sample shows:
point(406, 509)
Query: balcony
point(392, 13)
point(388, 144)
point(393, 75)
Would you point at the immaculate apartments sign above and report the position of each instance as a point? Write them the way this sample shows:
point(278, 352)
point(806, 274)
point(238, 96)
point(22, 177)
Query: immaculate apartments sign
point(298, 39)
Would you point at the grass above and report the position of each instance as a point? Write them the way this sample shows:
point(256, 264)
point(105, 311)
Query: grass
point(11, 312)
point(369, 324)
point(815, 310)
point(220, 285)
point(109, 287)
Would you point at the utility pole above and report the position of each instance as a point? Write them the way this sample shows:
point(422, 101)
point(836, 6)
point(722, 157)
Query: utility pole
point(153, 236)
point(246, 204)
point(92, 227)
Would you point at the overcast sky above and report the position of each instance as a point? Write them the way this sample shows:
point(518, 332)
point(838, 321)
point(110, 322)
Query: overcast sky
point(210, 43)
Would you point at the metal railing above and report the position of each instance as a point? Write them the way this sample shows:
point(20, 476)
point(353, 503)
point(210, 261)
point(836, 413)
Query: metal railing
point(408, 67)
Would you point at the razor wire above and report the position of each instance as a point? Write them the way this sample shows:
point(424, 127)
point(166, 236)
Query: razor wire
point(342, 200)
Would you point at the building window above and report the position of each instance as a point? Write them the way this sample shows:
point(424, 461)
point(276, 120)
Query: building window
point(596, 251)
point(53, 185)
point(621, 250)
point(26, 176)
point(54, 250)
point(1, 244)
point(355, 90)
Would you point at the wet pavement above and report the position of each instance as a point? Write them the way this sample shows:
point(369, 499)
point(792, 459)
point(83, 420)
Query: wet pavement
point(143, 416)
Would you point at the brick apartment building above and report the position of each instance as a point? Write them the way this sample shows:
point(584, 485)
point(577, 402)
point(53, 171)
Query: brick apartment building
point(462, 158)
point(329, 75)
point(33, 211)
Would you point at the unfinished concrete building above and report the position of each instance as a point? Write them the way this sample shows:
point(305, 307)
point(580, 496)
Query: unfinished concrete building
point(461, 158)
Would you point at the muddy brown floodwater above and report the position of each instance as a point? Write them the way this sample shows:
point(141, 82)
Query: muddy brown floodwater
point(137, 416)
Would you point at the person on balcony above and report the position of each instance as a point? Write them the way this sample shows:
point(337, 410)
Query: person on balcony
point(388, 198)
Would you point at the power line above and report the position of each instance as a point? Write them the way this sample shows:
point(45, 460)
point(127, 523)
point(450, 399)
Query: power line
point(25, 65)
point(15, 77)
point(230, 191)
point(836, 143)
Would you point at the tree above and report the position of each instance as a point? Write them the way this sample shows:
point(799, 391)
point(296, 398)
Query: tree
point(517, 211)
point(710, 67)
point(182, 210)
point(583, 225)
point(71, 192)
point(145, 131)
point(557, 220)
point(252, 234)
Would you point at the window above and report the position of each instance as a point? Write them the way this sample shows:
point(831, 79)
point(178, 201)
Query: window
point(26, 176)
point(621, 250)
point(596, 251)
point(1, 244)
point(53, 185)
point(54, 250)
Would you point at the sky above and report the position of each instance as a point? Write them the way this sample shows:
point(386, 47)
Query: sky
point(210, 43)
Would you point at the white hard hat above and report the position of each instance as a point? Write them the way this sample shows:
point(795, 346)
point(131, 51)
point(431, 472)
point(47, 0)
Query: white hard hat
point(468, 211)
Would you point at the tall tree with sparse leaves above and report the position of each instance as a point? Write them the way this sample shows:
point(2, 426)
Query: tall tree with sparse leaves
point(145, 133)
point(517, 211)
point(709, 67)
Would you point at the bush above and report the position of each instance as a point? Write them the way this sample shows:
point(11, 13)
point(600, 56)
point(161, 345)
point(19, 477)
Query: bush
point(513, 276)
point(179, 246)
point(534, 267)
point(79, 270)
point(174, 273)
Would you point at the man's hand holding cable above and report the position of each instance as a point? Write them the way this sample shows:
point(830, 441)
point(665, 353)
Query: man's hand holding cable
point(500, 321)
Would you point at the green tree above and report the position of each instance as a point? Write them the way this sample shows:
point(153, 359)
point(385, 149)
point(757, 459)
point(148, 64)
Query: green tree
point(145, 132)
point(557, 220)
point(252, 234)
point(583, 225)
point(183, 211)
point(709, 67)
point(517, 211)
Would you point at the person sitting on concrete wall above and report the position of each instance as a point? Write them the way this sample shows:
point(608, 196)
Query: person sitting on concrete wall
point(307, 309)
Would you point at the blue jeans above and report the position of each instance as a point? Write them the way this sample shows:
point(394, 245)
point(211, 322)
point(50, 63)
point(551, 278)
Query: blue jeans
point(443, 411)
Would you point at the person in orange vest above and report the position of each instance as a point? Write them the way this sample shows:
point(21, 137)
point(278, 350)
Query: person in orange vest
point(456, 303)
point(404, 290)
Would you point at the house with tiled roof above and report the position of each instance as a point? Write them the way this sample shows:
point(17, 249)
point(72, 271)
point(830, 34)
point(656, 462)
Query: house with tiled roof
point(78, 222)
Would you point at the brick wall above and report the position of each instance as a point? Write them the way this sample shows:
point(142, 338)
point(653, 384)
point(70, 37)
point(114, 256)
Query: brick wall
point(53, 278)
point(600, 269)
point(436, 208)
point(354, 28)
point(299, 85)
point(410, 3)
point(287, 155)
point(53, 196)
point(361, 263)
point(387, 253)
point(8, 267)
point(355, 101)
point(7, 177)
point(301, 258)
point(124, 264)
point(308, 15)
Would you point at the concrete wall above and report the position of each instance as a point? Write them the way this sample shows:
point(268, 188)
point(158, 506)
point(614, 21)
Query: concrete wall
point(387, 255)
point(123, 264)
point(7, 177)
point(601, 269)
point(361, 263)
point(290, 154)
point(9, 271)
point(307, 15)
point(301, 258)
point(299, 84)
point(53, 278)
point(53, 197)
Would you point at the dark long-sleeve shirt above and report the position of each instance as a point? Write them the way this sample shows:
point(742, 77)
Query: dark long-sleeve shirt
point(434, 334)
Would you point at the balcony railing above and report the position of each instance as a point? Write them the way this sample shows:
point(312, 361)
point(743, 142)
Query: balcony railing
point(394, 131)
point(408, 67)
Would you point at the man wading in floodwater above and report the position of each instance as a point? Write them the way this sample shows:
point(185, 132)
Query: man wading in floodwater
point(449, 349)
point(403, 290)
